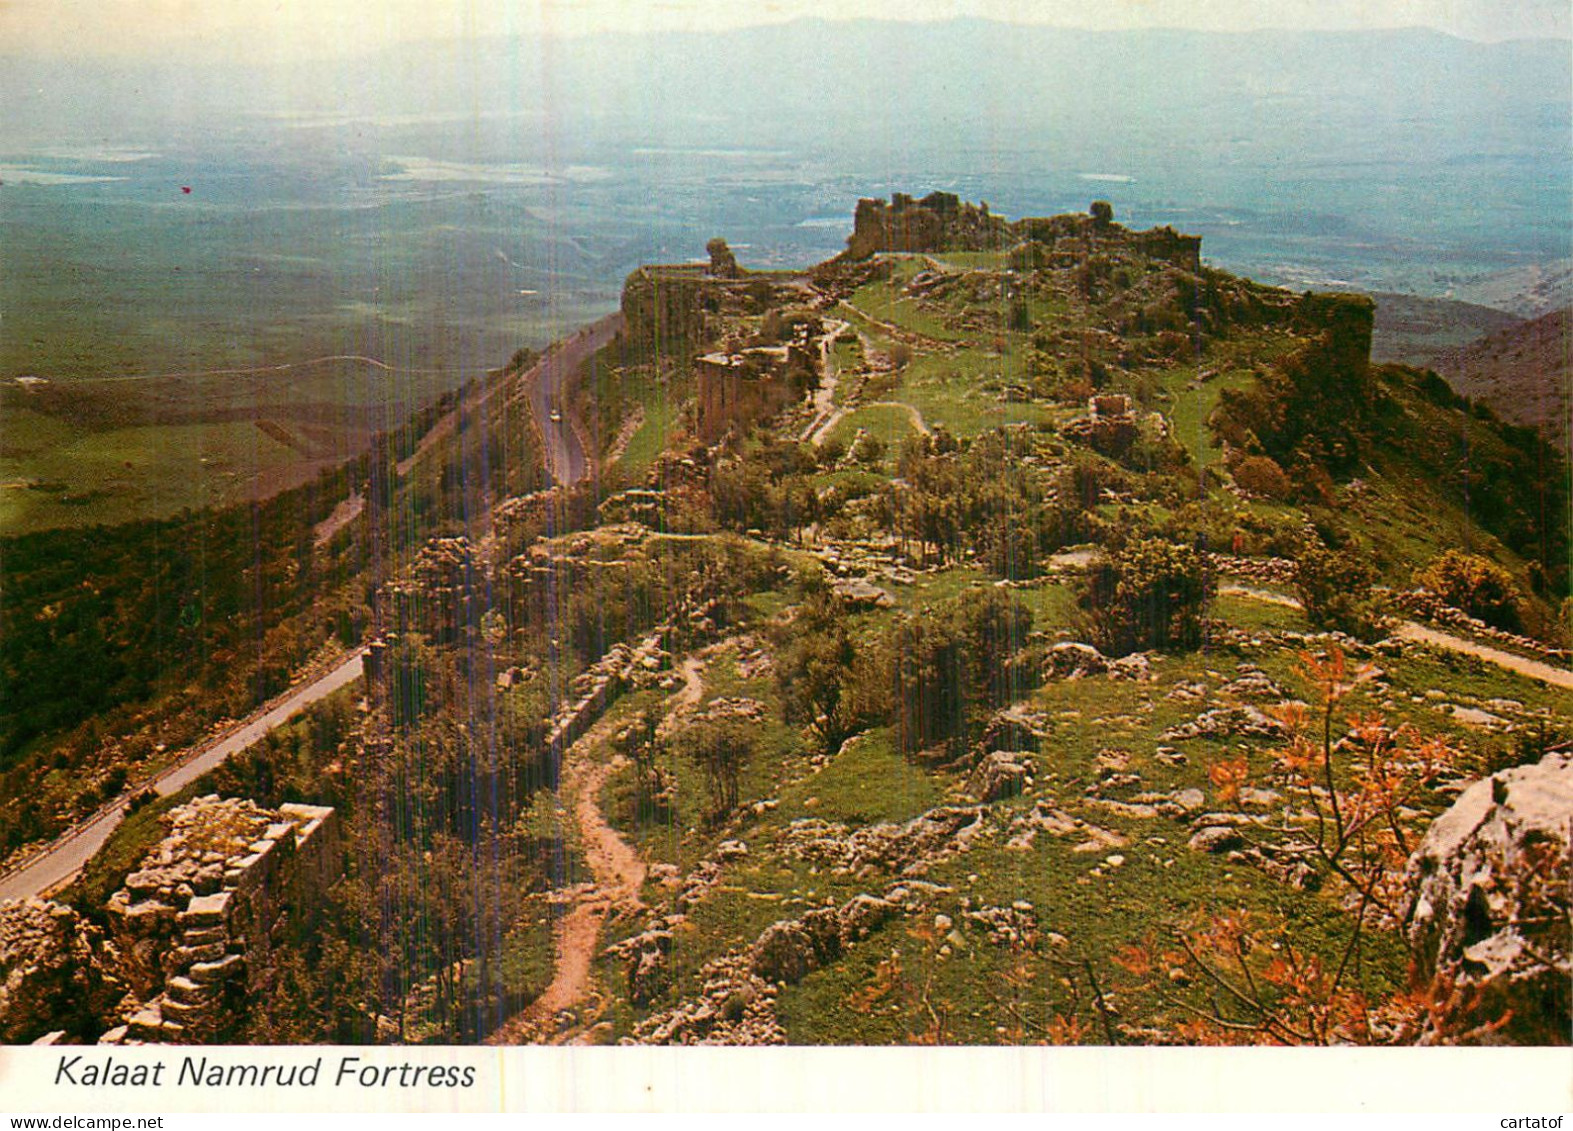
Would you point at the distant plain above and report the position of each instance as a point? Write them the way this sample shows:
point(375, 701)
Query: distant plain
point(331, 270)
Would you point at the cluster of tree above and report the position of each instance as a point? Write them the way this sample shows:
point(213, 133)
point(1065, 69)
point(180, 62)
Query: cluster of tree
point(980, 495)
point(1148, 594)
point(934, 677)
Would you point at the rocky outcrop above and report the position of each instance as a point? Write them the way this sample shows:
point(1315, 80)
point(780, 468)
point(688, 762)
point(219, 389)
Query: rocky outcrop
point(1490, 921)
point(909, 848)
point(1003, 773)
point(734, 1006)
point(1071, 659)
point(791, 948)
point(56, 973)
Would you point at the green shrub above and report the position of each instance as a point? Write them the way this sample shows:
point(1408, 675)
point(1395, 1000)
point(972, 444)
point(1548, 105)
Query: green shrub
point(1480, 587)
point(1150, 594)
point(1335, 589)
point(1261, 475)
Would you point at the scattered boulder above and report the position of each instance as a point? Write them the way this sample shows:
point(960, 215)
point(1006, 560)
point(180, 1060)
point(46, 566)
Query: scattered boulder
point(1490, 915)
point(1003, 774)
point(863, 594)
point(734, 1007)
point(784, 952)
point(909, 848)
point(1216, 839)
point(646, 955)
point(1014, 927)
point(863, 913)
point(1016, 728)
point(1252, 683)
point(1071, 659)
point(1227, 722)
point(1137, 668)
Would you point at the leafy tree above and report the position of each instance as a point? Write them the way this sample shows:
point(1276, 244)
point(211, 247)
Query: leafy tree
point(1151, 594)
point(951, 666)
point(1335, 589)
point(814, 667)
point(720, 749)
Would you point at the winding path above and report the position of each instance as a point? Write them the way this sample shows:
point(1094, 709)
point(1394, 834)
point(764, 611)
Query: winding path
point(1420, 634)
point(618, 871)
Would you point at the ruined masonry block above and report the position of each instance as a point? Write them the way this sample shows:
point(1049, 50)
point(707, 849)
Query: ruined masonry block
point(189, 991)
point(146, 1024)
point(201, 936)
point(182, 957)
point(148, 912)
point(211, 972)
point(205, 911)
point(181, 1013)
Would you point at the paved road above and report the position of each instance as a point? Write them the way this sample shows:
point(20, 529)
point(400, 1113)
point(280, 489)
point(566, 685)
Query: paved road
point(565, 456)
point(65, 858)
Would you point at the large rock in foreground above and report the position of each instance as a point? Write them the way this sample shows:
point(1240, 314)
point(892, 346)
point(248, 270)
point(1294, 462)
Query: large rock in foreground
point(1491, 915)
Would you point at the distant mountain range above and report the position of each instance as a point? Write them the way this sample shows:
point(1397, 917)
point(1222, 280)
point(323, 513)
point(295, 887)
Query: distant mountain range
point(977, 84)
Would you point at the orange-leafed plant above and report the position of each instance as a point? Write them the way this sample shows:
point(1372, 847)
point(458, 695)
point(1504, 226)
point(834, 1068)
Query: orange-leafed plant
point(1360, 809)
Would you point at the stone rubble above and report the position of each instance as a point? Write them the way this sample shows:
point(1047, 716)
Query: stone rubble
point(57, 973)
point(1227, 722)
point(909, 848)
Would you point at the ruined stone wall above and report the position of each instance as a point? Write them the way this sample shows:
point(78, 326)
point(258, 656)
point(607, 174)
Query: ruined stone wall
point(938, 222)
point(57, 974)
point(664, 309)
point(737, 390)
point(196, 925)
point(598, 687)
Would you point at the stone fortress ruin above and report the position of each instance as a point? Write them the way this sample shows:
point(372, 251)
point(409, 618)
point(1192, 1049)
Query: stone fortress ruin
point(190, 936)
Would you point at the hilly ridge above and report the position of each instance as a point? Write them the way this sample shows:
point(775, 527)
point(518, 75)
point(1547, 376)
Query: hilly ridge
point(925, 658)
point(1521, 371)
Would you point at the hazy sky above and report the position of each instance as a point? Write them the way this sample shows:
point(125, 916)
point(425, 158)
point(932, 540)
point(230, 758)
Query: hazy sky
point(266, 27)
